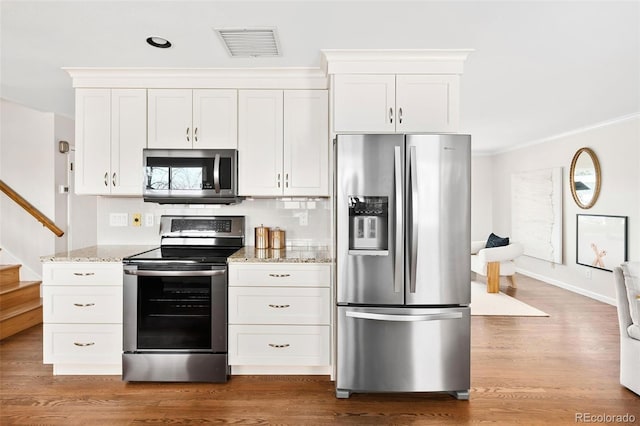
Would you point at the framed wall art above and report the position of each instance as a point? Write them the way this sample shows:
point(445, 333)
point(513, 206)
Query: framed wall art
point(601, 241)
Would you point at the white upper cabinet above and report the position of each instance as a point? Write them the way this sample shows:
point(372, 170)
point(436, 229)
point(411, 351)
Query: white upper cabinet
point(427, 103)
point(395, 103)
point(306, 142)
point(185, 118)
point(283, 143)
point(395, 90)
point(110, 136)
point(364, 103)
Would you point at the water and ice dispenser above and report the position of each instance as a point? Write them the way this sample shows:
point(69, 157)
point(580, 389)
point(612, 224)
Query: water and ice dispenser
point(368, 224)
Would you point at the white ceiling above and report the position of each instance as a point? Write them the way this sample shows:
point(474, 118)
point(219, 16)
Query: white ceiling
point(540, 68)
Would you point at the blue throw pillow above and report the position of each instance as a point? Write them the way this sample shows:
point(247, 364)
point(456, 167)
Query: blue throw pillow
point(495, 241)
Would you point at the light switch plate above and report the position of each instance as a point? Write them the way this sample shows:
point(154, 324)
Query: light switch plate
point(118, 219)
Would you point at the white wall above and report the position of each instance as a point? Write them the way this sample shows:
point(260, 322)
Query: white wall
point(481, 197)
point(27, 165)
point(617, 145)
point(287, 215)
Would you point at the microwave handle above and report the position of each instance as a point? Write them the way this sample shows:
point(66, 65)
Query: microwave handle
point(216, 173)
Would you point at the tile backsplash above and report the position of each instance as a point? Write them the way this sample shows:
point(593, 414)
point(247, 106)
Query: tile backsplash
point(307, 222)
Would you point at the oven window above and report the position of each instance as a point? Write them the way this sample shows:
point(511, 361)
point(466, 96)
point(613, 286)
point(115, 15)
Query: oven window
point(174, 313)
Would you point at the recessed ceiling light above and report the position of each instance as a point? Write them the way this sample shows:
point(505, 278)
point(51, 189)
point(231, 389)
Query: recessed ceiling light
point(159, 42)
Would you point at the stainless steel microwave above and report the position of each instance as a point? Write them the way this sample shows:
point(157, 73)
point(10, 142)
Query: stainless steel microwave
point(190, 176)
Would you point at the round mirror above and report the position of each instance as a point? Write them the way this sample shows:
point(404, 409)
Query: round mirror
point(584, 178)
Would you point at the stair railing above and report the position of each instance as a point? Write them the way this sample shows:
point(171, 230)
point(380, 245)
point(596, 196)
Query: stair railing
point(28, 207)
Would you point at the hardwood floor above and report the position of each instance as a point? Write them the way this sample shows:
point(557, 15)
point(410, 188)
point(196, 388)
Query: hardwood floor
point(525, 370)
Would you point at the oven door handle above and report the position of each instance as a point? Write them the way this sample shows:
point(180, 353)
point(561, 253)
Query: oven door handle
point(146, 273)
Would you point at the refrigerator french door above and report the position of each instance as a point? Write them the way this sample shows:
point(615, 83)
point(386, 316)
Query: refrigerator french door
point(403, 264)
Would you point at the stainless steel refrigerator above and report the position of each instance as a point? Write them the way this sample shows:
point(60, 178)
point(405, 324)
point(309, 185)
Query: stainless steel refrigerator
point(403, 263)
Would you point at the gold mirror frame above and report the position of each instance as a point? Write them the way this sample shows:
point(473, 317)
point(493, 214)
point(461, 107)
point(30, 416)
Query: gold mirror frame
point(572, 180)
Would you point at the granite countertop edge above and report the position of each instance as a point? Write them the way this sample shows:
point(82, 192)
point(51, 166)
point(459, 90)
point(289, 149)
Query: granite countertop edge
point(248, 254)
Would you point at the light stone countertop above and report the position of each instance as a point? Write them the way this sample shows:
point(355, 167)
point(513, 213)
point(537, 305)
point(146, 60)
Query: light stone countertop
point(102, 253)
point(251, 254)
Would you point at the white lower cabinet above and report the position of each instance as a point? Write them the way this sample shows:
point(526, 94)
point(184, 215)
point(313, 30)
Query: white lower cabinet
point(82, 313)
point(279, 318)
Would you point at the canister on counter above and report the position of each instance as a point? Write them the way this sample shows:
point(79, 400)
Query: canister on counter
point(277, 238)
point(262, 237)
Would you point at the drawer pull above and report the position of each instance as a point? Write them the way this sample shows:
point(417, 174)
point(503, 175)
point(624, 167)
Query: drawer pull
point(84, 274)
point(84, 305)
point(273, 345)
point(279, 275)
point(84, 344)
point(278, 306)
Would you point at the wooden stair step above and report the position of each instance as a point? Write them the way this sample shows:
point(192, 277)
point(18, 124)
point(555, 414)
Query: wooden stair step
point(17, 293)
point(21, 317)
point(9, 273)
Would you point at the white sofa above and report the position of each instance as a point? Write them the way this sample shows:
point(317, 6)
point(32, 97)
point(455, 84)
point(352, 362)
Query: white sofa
point(627, 279)
point(495, 262)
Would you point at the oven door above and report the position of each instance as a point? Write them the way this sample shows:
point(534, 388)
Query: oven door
point(175, 308)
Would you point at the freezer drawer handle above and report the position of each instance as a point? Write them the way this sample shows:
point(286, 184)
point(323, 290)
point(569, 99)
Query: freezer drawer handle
point(278, 306)
point(84, 305)
point(273, 345)
point(279, 275)
point(404, 318)
point(84, 344)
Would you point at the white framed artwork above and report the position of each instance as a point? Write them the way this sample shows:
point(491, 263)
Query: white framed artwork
point(601, 241)
point(536, 213)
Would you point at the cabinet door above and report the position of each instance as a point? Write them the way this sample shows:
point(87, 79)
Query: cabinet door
point(260, 142)
point(427, 103)
point(93, 141)
point(364, 103)
point(169, 119)
point(215, 119)
point(306, 142)
point(128, 138)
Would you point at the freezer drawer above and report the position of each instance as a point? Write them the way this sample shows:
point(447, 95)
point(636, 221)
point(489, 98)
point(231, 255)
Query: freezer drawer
point(403, 350)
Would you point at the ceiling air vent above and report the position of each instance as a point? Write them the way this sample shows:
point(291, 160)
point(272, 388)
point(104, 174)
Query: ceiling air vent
point(250, 41)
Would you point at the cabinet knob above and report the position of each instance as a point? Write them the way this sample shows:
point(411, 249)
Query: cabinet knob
point(195, 134)
point(113, 179)
point(400, 115)
point(188, 140)
point(274, 345)
point(106, 179)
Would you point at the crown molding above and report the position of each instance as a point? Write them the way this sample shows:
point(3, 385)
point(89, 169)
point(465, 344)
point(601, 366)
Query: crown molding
point(393, 61)
point(199, 78)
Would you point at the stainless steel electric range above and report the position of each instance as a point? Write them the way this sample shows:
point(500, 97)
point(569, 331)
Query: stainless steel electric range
point(175, 302)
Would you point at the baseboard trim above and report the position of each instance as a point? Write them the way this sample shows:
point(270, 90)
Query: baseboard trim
point(571, 288)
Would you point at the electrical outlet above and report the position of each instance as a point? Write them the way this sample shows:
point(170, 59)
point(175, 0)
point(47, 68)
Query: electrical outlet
point(148, 219)
point(587, 273)
point(118, 219)
point(137, 219)
point(304, 218)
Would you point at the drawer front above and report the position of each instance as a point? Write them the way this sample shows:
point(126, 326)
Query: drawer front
point(83, 273)
point(82, 343)
point(82, 304)
point(281, 274)
point(277, 305)
point(278, 345)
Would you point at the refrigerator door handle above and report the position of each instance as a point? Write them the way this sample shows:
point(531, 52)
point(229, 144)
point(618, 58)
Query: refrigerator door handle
point(404, 318)
point(414, 217)
point(397, 280)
